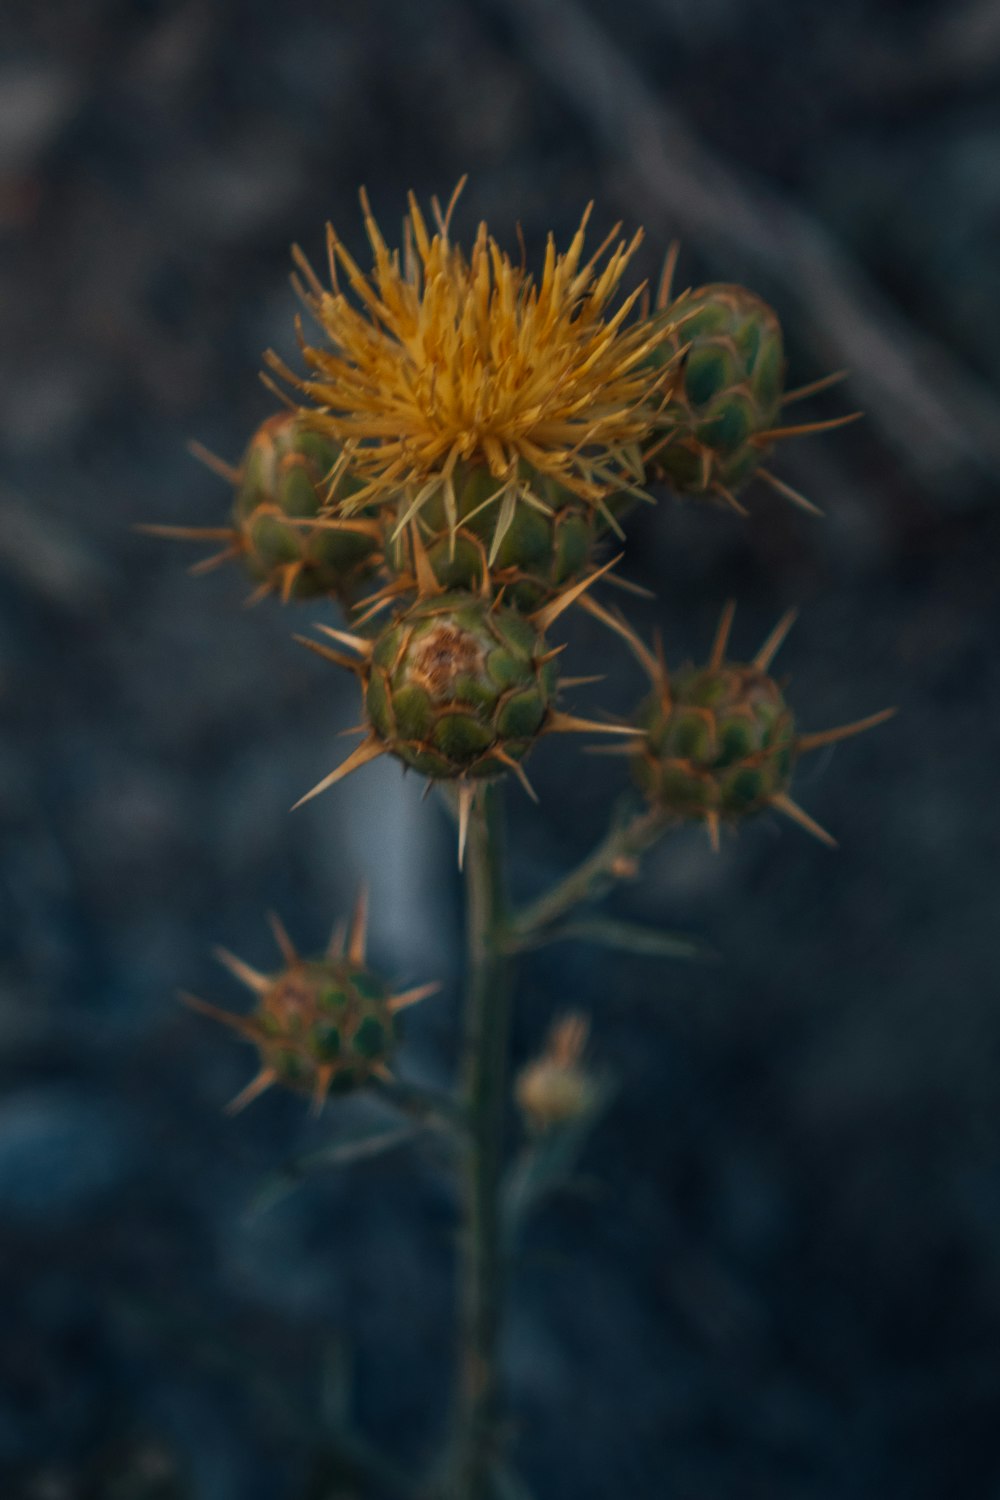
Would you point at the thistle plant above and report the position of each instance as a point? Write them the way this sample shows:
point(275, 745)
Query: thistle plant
point(452, 466)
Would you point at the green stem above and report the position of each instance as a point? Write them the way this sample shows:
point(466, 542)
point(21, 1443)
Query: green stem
point(613, 859)
point(484, 1084)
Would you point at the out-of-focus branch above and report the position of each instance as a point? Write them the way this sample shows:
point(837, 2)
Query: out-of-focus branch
point(933, 409)
point(48, 556)
point(959, 48)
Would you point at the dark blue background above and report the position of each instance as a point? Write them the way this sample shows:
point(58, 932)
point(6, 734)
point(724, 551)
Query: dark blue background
point(781, 1274)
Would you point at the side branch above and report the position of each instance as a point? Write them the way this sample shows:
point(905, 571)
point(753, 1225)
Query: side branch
point(612, 860)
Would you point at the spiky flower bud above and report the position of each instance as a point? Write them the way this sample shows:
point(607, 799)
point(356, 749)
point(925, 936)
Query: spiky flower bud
point(556, 1088)
point(530, 548)
point(279, 530)
point(284, 481)
point(720, 741)
point(321, 1025)
point(459, 687)
point(711, 436)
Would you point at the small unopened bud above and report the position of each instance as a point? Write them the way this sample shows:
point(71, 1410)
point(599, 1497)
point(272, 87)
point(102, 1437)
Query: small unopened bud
point(555, 1088)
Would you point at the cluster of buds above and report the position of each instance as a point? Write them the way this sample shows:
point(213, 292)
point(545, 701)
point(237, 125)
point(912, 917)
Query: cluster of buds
point(451, 469)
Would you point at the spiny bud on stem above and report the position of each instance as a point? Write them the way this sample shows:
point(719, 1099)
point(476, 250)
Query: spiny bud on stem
point(460, 689)
point(724, 415)
point(284, 480)
point(720, 741)
point(321, 1025)
point(526, 540)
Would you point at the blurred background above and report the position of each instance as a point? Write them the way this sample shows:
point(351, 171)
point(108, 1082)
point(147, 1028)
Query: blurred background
point(779, 1273)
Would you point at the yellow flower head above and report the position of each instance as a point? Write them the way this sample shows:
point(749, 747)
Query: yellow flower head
point(441, 358)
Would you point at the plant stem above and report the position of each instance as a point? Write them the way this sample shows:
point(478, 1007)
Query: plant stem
point(612, 859)
point(484, 1082)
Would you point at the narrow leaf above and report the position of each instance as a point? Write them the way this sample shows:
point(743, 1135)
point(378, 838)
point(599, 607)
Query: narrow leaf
point(626, 937)
point(355, 1145)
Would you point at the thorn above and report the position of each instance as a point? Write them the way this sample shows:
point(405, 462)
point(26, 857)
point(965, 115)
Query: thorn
point(519, 771)
point(772, 645)
point(187, 533)
point(614, 622)
point(776, 434)
point(814, 387)
point(217, 560)
point(543, 618)
point(427, 582)
point(382, 1072)
point(548, 656)
point(798, 815)
point(466, 796)
point(610, 520)
point(356, 642)
point(253, 1090)
point(242, 1024)
point(370, 529)
point(257, 595)
point(842, 732)
point(212, 461)
point(795, 496)
point(321, 1088)
point(728, 498)
point(377, 604)
point(560, 723)
point(412, 997)
point(338, 937)
point(618, 749)
point(504, 521)
point(359, 929)
point(722, 636)
point(289, 574)
point(628, 587)
point(705, 472)
point(252, 978)
point(485, 581)
point(360, 756)
point(282, 939)
point(712, 823)
point(337, 657)
point(574, 682)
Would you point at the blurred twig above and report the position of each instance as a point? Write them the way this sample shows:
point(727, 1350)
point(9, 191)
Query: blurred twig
point(51, 558)
point(933, 409)
point(959, 48)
